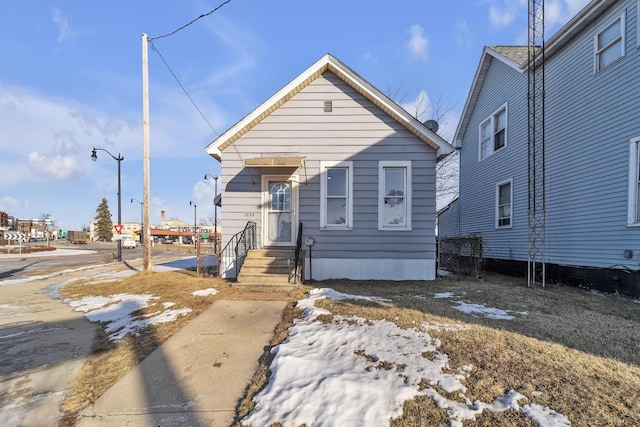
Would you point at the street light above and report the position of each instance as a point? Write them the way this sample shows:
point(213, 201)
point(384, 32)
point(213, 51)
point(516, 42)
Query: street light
point(94, 157)
point(141, 221)
point(195, 221)
point(215, 212)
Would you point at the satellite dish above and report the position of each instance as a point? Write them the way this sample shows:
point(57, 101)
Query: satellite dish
point(432, 125)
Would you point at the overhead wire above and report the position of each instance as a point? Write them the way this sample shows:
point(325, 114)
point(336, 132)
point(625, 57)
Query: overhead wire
point(155, 49)
point(194, 20)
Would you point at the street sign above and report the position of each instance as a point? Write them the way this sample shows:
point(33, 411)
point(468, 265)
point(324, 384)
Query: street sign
point(205, 235)
point(118, 228)
point(134, 234)
point(10, 235)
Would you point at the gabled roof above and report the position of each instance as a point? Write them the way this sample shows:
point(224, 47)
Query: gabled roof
point(511, 56)
point(350, 77)
point(517, 57)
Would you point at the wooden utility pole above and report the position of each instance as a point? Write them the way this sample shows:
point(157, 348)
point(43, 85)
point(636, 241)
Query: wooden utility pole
point(146, 227)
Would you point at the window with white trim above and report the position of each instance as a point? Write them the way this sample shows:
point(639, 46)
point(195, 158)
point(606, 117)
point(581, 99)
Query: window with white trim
point(493, 133)
point(633, 215)
point(609, 44)
point(504, 203)
point(336, 189)
point(394, 195)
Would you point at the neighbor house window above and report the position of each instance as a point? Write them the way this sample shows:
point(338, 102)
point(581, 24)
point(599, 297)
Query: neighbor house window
point(493, 133)
point(609, 44)
point(504, 203)
point(394, 195)
point(633, 216)
point(336, 188)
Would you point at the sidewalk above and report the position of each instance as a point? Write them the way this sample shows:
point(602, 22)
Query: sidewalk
point(197, 376)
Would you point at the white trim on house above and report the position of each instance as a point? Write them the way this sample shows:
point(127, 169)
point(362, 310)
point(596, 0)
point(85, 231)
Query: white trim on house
point(633, 210)
point(491, 121)
point(405, 225)
point(497, 208)
point(621, 38)
point(371, 269)
point(348, 224)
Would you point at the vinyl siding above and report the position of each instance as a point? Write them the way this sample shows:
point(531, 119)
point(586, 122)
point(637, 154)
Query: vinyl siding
point(590, 119)
point(356, 131)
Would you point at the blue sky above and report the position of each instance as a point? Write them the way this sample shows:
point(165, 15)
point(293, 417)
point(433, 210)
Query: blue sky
point(71, 79)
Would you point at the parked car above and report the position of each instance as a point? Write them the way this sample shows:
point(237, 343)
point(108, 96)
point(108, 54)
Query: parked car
point(128, 243)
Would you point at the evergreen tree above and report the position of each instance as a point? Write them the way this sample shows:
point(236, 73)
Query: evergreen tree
point(104, 226)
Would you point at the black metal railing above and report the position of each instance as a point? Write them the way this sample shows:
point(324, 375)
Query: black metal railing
point(237, 247)
point(296, 265)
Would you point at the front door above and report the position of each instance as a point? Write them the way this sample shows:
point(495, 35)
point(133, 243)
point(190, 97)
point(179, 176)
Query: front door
point(280, 211)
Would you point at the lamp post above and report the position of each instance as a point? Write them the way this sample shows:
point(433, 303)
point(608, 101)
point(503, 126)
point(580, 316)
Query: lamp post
point(195, 221)
point(215, 212)
point(195, 237)
point(141, 221)
point(94, 157)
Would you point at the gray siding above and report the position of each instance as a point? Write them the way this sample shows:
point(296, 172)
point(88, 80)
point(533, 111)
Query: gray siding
point(449, 220)
point(356, 130)
point(590, 119)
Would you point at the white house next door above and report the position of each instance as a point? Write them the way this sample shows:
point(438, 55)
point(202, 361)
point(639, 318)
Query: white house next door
point(280, 211)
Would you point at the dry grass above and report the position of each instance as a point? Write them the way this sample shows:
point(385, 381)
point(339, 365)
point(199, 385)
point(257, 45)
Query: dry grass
point(109, 361)
point(580, 349)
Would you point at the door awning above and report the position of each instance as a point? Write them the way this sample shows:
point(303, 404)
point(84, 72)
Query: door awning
point(274, 162)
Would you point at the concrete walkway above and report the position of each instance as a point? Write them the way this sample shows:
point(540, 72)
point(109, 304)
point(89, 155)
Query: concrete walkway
point(197, 377)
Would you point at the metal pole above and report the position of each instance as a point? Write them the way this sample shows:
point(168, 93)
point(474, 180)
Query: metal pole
point(119, 159)
point(215, 218)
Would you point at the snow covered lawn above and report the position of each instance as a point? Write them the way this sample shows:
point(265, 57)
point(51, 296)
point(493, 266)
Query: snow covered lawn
point(353, 371)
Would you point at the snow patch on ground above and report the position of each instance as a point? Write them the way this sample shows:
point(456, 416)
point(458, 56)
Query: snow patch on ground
point(205, 292)
point(118, 312)
point(354, 371)
point(479, 309)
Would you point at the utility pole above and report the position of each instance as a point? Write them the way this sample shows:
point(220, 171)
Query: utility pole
point(146, 230)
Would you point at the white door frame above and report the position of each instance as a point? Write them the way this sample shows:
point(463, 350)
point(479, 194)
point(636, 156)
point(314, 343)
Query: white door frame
point(266, 199)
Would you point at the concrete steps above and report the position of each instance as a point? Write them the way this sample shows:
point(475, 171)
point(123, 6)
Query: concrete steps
point(268, 270)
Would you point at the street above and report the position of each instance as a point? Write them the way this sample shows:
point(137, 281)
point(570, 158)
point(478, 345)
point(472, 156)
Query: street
point(68, 256)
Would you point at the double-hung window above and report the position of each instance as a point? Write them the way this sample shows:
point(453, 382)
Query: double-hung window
point(633, 216)
point(336, 202)
point(504, 203)
point(493, 133)
point(609, 44)
point(394, 195)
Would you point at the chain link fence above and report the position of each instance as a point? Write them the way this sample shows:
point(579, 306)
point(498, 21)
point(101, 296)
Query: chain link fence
point(461, 255)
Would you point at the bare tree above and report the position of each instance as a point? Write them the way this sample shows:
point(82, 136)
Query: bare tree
point(447, 169)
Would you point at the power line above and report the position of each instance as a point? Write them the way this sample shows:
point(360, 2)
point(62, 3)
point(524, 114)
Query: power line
point(186, 25)
point(155, 49)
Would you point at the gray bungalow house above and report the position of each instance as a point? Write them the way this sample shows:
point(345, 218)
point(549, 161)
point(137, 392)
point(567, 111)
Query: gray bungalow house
point(331, 152)
point(592, 153)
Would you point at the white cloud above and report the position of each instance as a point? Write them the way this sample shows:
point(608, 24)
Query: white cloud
point(64, 29)
point(58, 167)
point(463, 34)
point(420, 107)
point(502, 17)
point(7, 203)
point(369, 57)
point(418, 44)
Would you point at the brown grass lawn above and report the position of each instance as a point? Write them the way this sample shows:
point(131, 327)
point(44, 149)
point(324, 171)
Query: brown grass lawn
point(570, 349)
point(580, 349)
point(109, 361)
